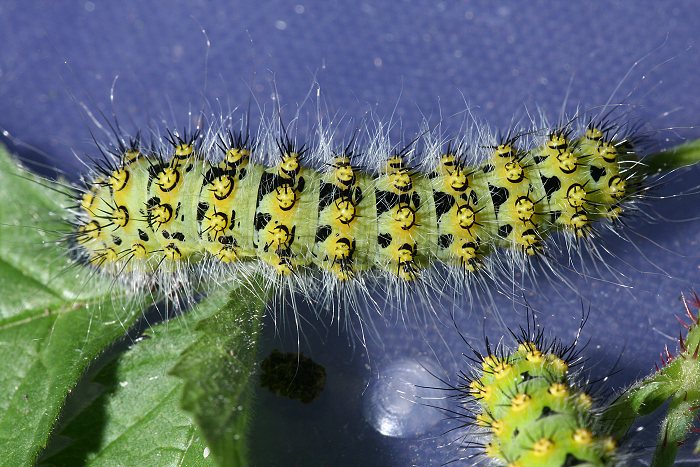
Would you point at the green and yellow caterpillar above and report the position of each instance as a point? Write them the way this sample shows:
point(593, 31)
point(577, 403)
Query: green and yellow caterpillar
point(144, 211)
point(534, 406)
point(533, 412)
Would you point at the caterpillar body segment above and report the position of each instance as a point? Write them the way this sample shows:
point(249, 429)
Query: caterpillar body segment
point(346, 241)
point(228, 196)
point(406, 220)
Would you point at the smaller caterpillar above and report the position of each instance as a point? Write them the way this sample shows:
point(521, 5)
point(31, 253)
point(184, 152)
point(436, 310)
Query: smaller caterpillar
point(146, 211)
point(532, 408)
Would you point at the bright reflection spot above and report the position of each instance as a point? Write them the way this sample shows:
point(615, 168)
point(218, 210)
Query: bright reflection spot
point(398, 403)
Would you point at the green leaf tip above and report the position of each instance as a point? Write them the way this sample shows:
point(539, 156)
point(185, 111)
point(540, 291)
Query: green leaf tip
point(217, 368)
point(679, 156)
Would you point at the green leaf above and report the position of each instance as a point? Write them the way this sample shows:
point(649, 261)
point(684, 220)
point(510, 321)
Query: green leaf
point(216, 370)
point(136, 417)
point(674, 430)
point(54, 316)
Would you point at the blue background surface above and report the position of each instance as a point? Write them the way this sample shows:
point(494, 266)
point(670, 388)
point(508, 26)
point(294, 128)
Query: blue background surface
point(402, 59)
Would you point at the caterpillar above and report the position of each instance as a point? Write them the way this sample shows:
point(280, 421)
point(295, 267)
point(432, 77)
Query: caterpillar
point(531, 407)
point(204, 200)
point(536, 404)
